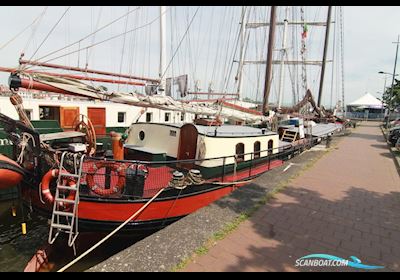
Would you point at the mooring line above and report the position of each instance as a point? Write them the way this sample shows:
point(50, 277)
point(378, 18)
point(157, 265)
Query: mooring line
point(112, 233)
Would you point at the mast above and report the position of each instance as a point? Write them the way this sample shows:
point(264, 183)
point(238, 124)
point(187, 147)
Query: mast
point(283, 54)
point(268, 72)
point(321, 82)
point(163, 50)
point(239, 76)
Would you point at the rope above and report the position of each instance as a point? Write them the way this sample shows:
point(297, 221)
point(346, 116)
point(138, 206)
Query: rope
point(87, 36)
point(111, 233)
point(177, 48)
point(123, 48)
point(232, 182)
point(51, 30)
point(100, 42)
point(24, 142)
point(16, 36)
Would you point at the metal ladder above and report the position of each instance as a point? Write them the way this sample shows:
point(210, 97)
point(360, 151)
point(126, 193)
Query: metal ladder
point(63, 220)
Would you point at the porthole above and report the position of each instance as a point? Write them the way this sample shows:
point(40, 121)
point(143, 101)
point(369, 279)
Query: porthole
point(141, 135)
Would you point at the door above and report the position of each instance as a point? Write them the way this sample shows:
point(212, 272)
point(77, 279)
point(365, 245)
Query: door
point(67, 117)
point(187, 144)
point(98, 118)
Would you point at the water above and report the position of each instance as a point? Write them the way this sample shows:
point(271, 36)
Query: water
point(16, 249)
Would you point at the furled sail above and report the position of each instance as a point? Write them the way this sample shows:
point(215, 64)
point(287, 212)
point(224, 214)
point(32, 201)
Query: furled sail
point(74, 87)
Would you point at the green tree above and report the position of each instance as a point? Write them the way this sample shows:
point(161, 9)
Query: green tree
point(392, 100)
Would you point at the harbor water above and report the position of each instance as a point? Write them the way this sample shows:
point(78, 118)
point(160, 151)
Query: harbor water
point(16, 249)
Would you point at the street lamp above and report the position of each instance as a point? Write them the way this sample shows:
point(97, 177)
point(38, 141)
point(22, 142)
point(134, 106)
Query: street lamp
point(386, 73)
point(381, 72)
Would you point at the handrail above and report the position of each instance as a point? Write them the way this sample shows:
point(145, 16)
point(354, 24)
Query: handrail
point(192, 160)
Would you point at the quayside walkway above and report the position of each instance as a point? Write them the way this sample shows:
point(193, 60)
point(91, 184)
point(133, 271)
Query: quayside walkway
point(347, 204)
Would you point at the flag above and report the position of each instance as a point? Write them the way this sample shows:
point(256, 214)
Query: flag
point(305, 30)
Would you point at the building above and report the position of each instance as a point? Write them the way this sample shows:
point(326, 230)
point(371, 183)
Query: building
point(365, 107)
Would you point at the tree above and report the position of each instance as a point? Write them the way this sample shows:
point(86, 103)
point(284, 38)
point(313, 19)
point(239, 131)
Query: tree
point(392, 101)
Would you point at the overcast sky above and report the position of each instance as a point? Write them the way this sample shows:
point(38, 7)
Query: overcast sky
point(207, 51)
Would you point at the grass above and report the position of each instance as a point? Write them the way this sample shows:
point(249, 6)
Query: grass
point(233, 225)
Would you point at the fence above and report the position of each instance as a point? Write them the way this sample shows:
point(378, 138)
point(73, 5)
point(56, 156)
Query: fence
point(365, 116)
point(136, 179)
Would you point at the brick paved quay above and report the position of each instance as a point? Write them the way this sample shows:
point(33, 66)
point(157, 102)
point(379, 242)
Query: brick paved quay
point(347, 204)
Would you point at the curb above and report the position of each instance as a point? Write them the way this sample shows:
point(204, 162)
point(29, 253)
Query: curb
point(393, 151)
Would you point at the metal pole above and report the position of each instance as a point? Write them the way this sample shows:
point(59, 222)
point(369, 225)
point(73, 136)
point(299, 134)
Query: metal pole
point(321, 82)
point(243, 33)
point(394, 74)
point(163, 50)
point(283, 54)
point(268, 72)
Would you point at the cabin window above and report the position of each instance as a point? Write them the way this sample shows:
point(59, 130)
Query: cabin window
point(28, 114)
point(239, 152)
point(141, 135)
point(49, 113)
point(257, 148)
point(121, 117)
point(149, 117)
point(270, 147)
point(167, 117)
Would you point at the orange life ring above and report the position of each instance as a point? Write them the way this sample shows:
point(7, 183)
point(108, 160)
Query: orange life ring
point(45, 186)
point(120, 169)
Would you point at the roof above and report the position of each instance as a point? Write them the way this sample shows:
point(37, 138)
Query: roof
point(225, 130)
point(368, 101)
point(232, 131)
point(323, 129)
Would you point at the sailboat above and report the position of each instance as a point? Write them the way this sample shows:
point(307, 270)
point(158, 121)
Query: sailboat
point(156, 174)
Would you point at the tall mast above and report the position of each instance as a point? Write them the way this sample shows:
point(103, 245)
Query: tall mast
point(268, 72)
point(342, 57)
point(163, 49)
point(283, 54)
point(321, 82)
point(243, 33)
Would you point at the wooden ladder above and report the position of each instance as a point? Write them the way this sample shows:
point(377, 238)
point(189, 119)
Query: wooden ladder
point(289, 136)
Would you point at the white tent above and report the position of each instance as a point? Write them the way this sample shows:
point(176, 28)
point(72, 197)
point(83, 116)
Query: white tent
point(367, 101)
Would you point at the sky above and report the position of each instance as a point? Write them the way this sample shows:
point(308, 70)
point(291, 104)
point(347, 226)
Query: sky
point(203, 43)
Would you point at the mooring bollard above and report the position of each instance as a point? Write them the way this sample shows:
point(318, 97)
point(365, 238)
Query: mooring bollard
point(328, 141)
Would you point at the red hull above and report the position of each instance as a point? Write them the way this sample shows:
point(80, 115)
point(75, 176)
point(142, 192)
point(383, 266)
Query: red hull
point(102, 211)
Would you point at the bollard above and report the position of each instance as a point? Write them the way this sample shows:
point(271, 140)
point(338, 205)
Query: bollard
point(328, 141)
point(117, 146)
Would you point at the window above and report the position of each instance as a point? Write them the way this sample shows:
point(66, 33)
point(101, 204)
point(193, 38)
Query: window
point(270, 147)
point(182, 117)
point(172, 133)
point(167, 117)
point(28, 114)
point(49, 113)
point(257, 148)
point(149, 117)
point(121, 117)
point(141, 135)
point(239, 152)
